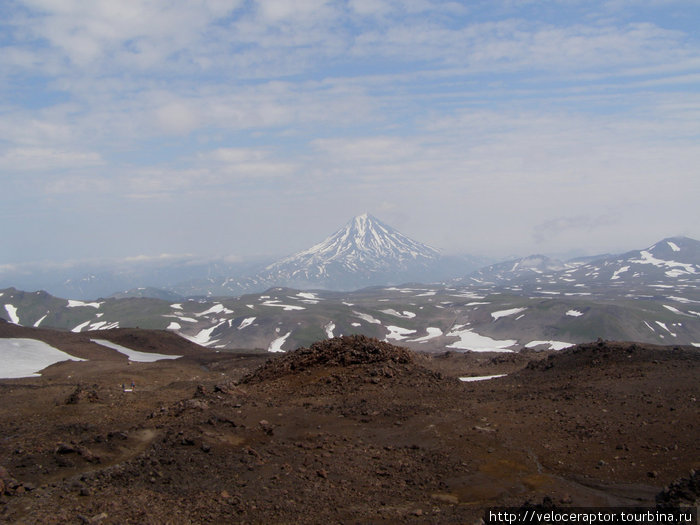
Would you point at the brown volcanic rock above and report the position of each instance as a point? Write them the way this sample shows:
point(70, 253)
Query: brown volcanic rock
point(681, 493)
point(607, 354)
point(339, 351)
point(81, 393)
point(350, 430)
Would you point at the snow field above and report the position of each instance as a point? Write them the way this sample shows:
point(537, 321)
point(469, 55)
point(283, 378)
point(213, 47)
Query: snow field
point(470, 340)
point(27, 357)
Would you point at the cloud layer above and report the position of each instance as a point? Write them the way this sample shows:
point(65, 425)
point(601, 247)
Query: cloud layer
point(219, 127)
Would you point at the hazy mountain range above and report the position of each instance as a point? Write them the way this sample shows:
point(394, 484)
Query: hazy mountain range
point(648, 295)
point(364, 252)
point(364, 279)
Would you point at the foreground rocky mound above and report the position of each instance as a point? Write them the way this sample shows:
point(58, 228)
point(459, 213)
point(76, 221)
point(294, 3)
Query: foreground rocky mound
point(339, 351)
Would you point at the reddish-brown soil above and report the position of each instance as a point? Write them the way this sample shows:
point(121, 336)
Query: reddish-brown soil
point(348, 431)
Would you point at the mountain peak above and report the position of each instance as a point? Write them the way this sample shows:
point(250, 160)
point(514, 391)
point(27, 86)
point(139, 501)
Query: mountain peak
point(365, 251)
point(362, 222)
point(365, 236)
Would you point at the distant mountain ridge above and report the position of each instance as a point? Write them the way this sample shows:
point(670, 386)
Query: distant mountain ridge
point(365, 252)
point(674, 261)
point(650, 295)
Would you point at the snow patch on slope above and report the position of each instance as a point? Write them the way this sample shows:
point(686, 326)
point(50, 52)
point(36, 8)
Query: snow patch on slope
point(12, 312)
point(134, 355)
point(276, 345)
point(78, 328)
point(505, 313)
point(663, 325)
point(203, 338)
point(285, 307)
point(553, 345)
point(25, 357)
point(246, 322)
point(470, 340)
point(616, 273)
point(216, 309)
point(404, 315)
point(367, 317)
point(675, 268)
point(398, 333)
point(433, 332)
point(480, 378)
point(72, 303)
point(672, 309)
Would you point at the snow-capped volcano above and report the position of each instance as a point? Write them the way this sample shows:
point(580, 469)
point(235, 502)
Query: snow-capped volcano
point(364, 252)
point(363, 243)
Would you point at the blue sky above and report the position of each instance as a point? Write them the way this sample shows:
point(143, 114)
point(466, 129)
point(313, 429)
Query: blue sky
point(236, 128)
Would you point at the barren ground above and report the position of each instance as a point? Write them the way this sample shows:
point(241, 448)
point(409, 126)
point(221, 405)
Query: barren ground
point(351, 431)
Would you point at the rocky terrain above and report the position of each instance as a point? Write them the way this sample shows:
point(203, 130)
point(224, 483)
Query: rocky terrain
point(347, 430)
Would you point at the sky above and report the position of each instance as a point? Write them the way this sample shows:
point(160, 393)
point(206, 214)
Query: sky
point(244, 127)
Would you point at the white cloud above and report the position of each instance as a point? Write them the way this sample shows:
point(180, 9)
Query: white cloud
point(33, 159)
point(76, 185)
point(233, 155)
point(283, 10)
point(96, 29)
point(177, 118)
point(469, 110)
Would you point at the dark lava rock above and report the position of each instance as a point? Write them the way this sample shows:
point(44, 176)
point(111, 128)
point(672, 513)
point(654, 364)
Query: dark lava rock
point(602, 354)
point(339, 351)
point(680, 493)
point(83, 393)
